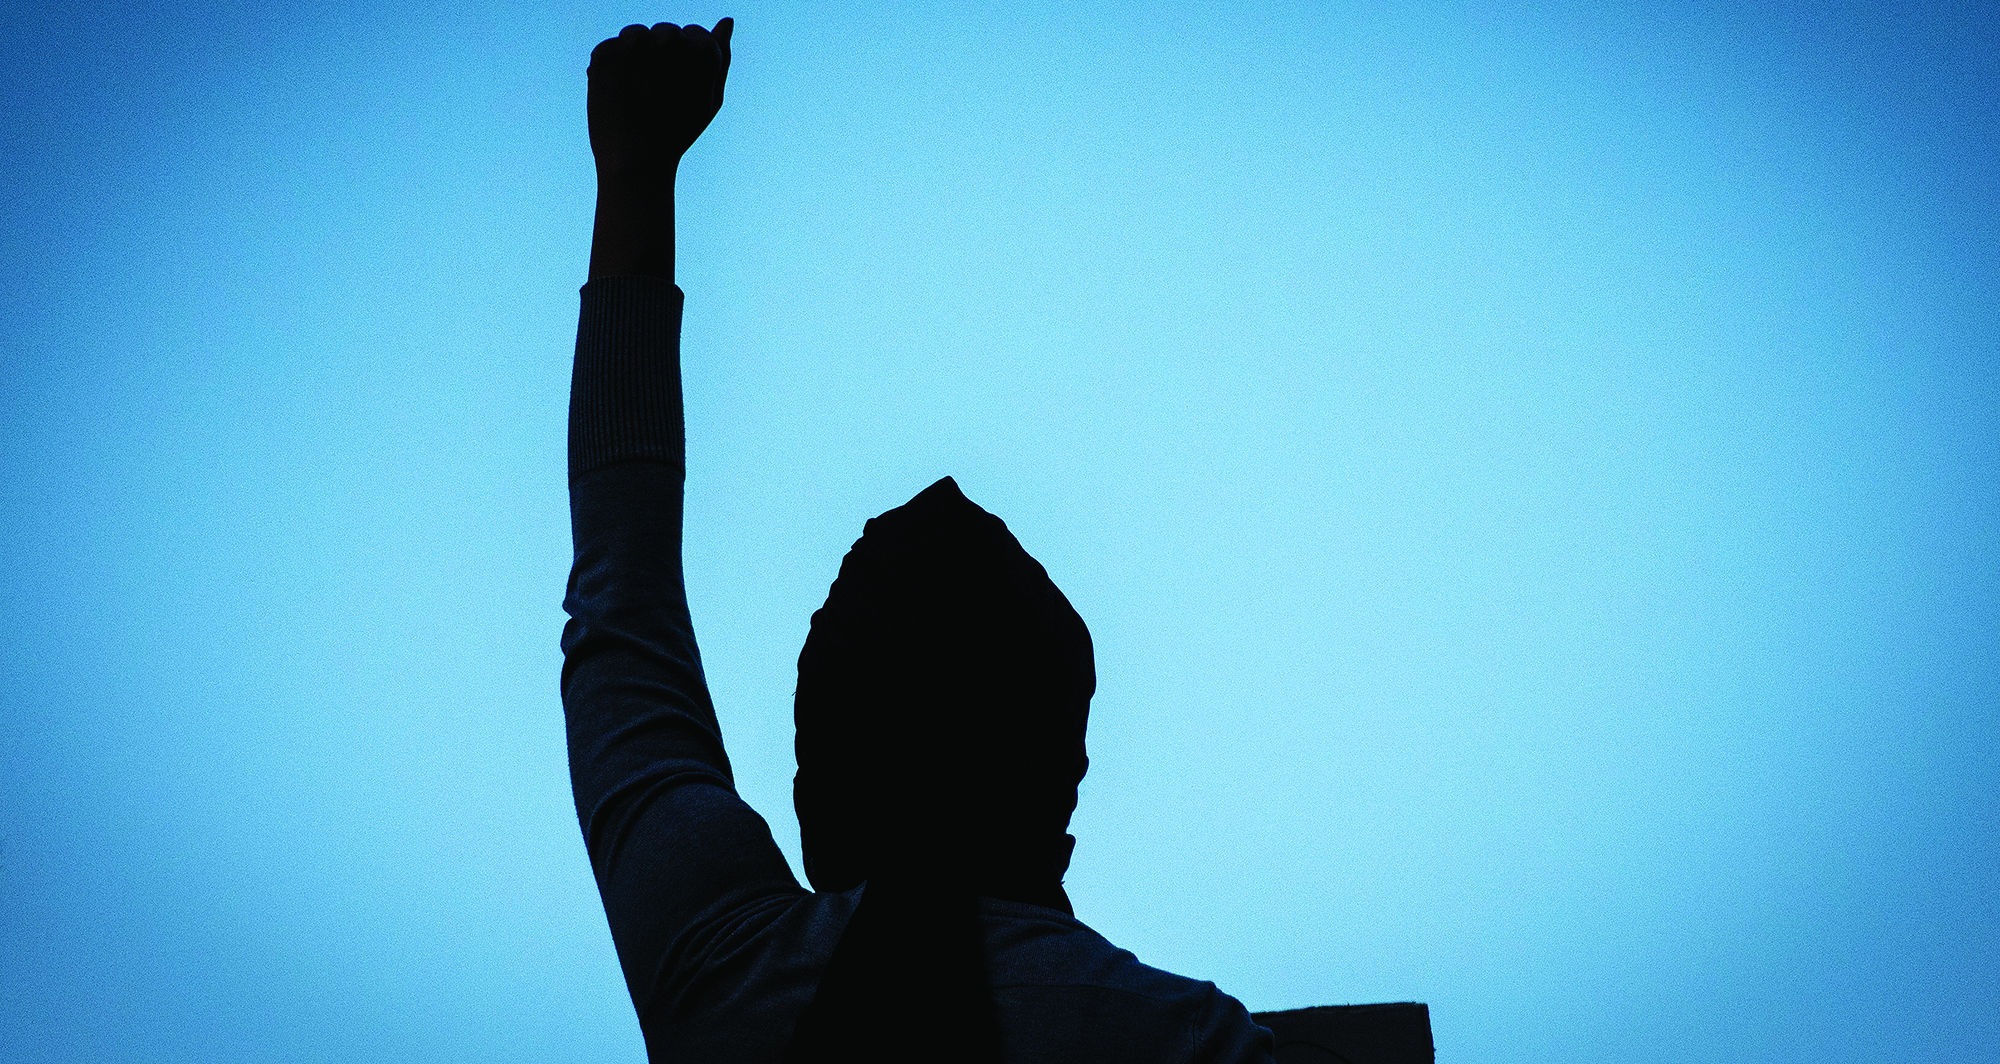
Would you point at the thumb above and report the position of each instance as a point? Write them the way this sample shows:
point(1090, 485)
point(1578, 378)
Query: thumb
point(725, 27)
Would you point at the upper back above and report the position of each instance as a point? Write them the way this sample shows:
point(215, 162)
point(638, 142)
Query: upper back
point(1064, 994)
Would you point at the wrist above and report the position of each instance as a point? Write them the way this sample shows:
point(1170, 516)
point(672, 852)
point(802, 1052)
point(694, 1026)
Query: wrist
point(634, 228)
point(636, 175)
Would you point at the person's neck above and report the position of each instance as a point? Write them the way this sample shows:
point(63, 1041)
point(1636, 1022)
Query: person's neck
point(1006, 884)
point(1051, 896)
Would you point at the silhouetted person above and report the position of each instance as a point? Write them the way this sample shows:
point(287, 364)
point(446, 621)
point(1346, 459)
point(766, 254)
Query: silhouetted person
point(941, 704)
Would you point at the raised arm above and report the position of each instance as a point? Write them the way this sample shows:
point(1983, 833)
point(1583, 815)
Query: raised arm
point(652, 92)
point(674, 849)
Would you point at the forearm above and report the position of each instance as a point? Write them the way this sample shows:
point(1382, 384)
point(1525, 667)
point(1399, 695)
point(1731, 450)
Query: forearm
point(634, 228)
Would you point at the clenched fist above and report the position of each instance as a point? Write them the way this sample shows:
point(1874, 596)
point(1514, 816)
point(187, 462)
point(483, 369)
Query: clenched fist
point(652, 92)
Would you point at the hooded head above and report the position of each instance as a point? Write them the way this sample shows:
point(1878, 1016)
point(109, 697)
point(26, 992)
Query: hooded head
point(942, 698)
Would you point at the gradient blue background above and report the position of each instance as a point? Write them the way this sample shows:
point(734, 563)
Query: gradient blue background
point(1530, 471)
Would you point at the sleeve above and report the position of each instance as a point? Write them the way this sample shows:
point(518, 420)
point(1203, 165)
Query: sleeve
point(673, 847)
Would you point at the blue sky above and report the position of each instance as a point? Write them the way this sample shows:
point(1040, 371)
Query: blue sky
point(1529, 470)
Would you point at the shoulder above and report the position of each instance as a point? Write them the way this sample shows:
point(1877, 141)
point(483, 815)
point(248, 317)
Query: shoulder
point(1067, 993)
point(744, 981)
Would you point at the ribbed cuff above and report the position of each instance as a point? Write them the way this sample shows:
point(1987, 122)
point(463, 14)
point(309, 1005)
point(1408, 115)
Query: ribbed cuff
point(625, 390)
